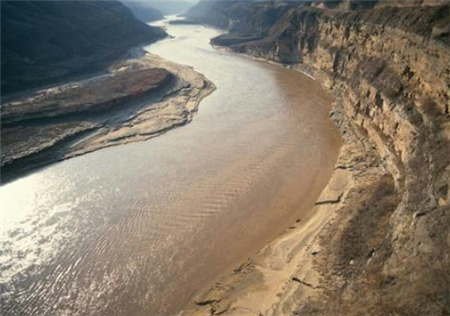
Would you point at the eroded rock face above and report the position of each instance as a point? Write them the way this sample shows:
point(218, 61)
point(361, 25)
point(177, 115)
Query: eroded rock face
point(43, 42)
point(389, 68)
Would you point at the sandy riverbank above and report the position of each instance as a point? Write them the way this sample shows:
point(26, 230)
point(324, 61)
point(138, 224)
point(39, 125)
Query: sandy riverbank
point(287, 270)
point(139, 99)
point(311, 259)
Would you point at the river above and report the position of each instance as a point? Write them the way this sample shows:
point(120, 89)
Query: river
point(139, 229)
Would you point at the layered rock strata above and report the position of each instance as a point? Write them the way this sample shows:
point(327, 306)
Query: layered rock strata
point(378, 245)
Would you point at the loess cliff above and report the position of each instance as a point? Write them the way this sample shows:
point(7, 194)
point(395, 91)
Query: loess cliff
point(384, 248)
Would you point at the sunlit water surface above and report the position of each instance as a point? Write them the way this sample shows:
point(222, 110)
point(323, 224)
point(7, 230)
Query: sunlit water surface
point(138, 229)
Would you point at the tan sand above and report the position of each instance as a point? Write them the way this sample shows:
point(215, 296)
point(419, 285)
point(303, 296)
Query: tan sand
point(284, 271)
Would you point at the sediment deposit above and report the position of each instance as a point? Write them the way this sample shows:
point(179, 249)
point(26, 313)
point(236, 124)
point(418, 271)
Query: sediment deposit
point(135, 100)
point(74, 81)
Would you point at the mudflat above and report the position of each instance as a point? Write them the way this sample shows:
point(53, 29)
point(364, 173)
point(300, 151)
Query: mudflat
point(136, 99)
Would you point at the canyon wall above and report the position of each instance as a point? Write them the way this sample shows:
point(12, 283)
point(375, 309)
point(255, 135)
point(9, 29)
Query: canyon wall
point(388, 250)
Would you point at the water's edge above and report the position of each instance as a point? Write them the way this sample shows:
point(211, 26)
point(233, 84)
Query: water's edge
point(182, 208)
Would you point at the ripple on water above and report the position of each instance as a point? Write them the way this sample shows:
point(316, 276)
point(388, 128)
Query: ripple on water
point(138, 229)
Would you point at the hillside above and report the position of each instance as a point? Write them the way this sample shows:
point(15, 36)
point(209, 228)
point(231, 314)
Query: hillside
point(44, 42)
point(173, 6)
point(144, 11)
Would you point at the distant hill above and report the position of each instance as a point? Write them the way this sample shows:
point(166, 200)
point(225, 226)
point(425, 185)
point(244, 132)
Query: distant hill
point(172, 7)
point(143, 11)
point(43, 42)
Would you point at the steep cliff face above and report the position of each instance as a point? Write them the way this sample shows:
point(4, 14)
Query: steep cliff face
point(387, 253)
point(46, 41)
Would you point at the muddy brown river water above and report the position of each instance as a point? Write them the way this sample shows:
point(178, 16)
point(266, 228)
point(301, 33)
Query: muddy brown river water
point(139, 229)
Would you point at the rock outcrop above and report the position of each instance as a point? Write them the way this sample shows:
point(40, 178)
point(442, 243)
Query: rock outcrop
point(385, 247)
point(43, 42)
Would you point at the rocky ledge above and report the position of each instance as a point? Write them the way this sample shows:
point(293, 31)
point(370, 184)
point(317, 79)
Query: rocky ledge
point(136, 99)
point(378, 240)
